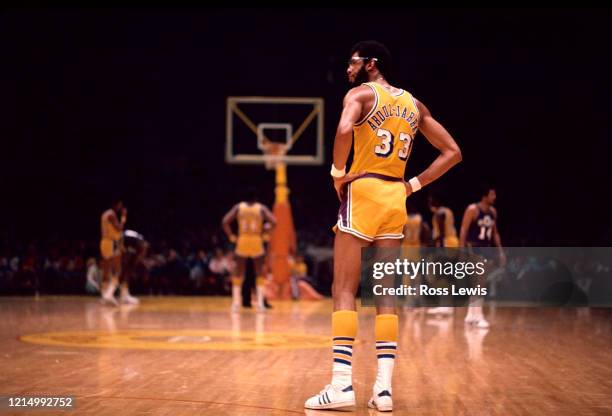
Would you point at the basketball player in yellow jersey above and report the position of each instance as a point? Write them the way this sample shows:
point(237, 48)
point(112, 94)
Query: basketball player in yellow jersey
point(382, 121)
point(444, 234)
point(416, 231)
point(250, 216)
point(110, 249)
point(443, 224)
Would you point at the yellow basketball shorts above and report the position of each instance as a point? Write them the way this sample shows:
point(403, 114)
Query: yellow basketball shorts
point(374, 208)
point(109, 248)
point(249, 246)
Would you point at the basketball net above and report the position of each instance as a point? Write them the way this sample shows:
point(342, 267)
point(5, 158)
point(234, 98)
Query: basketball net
point(274, 154)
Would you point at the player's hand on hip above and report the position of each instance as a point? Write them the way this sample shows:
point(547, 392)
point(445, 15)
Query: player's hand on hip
point(408, 189)
point(340, 183)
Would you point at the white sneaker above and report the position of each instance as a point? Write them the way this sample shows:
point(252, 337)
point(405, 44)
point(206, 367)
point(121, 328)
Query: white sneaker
point(381, 401)
point(108, 295)
point(110, 301)
point(481, 322)
point(332, 398)
point(128, 299)
point(235, 308)
point(441, 310)
point(107, 298)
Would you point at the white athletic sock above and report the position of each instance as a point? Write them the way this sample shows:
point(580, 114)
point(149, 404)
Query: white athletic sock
point(260, 284)
point(125, 291)
point(110, 289)
point(342, 370)
point(260, 296)
point(386, 352)
point(344, 331)
point(236, 295)
point(475, 309)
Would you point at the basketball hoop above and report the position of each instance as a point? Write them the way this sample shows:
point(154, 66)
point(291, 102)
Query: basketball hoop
point(274, 154)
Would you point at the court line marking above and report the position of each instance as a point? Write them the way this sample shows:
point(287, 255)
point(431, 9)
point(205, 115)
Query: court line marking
point(134, 339)
point(190, 401)
point(145, 326)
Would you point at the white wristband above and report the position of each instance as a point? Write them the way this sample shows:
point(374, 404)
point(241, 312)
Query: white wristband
point(337, 173)
point(415, 184)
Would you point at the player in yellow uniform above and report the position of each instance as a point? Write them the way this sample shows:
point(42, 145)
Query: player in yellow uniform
point(416, 231)
point(110, 249)
point(250, 216)
point(382, 121)
point(416, 234)
point(443, 224)
point(444, 234)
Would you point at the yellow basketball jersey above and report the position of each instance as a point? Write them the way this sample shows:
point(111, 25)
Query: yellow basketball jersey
point(449, 224)
point(250, 219)
point(412, 231)
point(383, 139)
point(108, 229)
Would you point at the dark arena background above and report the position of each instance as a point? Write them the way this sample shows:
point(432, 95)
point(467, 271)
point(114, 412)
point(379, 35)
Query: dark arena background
point(98, 105)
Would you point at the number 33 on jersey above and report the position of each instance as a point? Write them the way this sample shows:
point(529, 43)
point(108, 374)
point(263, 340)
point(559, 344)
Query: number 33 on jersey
point(384, 137)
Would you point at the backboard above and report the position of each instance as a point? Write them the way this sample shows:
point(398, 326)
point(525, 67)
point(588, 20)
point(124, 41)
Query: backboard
point(296, 122)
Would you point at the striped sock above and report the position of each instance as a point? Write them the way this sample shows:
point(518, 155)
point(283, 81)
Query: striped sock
point(386, 328)
point(344, 330)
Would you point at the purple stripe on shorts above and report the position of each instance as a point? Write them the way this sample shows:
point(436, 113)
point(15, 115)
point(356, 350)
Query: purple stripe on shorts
point(343, 213)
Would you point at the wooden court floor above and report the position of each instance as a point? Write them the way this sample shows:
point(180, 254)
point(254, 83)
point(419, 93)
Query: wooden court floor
point(191, 356)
